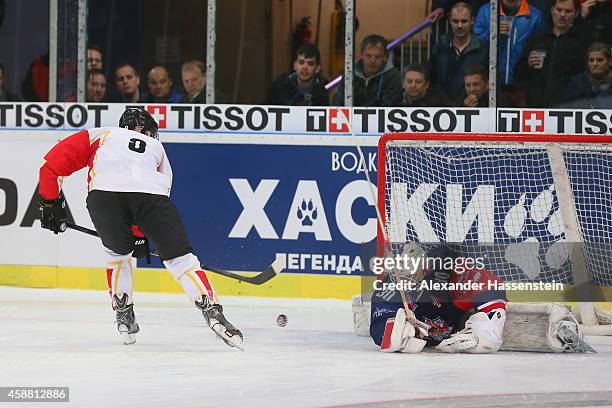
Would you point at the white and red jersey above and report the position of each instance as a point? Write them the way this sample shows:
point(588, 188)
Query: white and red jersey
point(119, 160)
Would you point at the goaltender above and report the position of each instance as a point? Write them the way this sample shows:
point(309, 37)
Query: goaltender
point(460, 309)
point(467, 318)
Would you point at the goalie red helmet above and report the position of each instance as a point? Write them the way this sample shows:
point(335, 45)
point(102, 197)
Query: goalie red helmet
point(139, 120)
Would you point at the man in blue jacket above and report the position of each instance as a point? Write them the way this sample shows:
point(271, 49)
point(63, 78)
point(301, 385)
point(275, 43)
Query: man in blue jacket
point(518, 22)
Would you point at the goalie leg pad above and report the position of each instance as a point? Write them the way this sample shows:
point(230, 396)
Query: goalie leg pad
point(187, 271)
point(400, 334)
point(361, 314)
point(543, 327)
point(482, 334)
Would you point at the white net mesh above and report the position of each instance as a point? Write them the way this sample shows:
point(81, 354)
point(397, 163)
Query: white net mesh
point(499, 200)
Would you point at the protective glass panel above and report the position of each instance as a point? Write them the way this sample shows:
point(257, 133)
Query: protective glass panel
point(24, 50)
point(143, 45)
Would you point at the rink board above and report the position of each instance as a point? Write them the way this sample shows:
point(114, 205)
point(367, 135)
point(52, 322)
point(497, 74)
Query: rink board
point(246, 191)
point(218, 189)
point(160, 280)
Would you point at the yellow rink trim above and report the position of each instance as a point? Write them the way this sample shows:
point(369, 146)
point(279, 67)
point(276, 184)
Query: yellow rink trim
point(160, 280)
point(285, 285)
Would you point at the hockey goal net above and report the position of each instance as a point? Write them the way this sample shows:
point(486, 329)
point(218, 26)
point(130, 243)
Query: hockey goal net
point(532, 207)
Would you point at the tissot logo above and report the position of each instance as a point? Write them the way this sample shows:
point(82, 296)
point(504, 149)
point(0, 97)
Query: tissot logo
point(520, 121)
point(51, 116)
point(316, 120)
point(533, 121)
point(159, 114)
point(338, 120)
point(327, 120)
point(508, 120)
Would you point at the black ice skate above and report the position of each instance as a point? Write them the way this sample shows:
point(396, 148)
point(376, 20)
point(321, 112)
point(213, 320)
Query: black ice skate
point(126, 321)
point(213, 314)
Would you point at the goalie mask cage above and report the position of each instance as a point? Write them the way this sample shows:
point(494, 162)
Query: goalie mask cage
point(534, 207)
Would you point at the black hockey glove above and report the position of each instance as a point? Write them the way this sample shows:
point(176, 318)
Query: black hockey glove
point(53, 214)
point(141, 248)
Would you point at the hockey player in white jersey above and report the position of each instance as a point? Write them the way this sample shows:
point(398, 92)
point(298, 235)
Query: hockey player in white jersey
point(129, 182)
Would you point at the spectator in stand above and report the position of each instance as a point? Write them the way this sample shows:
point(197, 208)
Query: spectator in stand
point(598, 15)
point(6, 96)
point(193, 75)
point(440, 7)
point(476, 89)
point(592, 89)
point(376, 82)
point(456, 51)
point(518, 22)
point(160, 87)
point(127, 82)
point(303, 87)
point(96, 86)
point(417, 89)
point(553, 56)
point(35, 86)
point(94, 57)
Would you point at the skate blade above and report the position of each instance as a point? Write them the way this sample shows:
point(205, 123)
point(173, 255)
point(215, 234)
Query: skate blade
point(229, 340)
point(127, 337)
point(232, 343)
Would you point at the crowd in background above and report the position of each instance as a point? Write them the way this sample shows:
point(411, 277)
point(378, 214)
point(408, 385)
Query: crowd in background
point(126, 85)
point(551, 53)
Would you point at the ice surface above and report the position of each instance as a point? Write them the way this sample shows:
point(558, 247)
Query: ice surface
point(53, 337)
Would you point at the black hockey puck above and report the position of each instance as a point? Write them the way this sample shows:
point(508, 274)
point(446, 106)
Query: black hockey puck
point(281, 320)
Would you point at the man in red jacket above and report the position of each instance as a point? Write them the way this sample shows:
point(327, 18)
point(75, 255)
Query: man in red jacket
point(129, 182)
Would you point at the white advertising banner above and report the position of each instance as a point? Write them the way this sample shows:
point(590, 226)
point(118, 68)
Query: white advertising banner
point(259, 136)
point(298, 120)
point(22, 241)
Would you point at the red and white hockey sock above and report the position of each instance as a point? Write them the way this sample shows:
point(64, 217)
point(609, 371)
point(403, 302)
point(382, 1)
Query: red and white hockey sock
point(187, 271)
point(119, 275)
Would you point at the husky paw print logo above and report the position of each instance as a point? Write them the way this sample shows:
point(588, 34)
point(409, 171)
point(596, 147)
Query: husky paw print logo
point(527, 257)
point(307, 212)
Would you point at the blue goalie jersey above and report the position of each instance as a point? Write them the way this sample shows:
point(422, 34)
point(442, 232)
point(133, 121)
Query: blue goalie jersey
point(439, 304)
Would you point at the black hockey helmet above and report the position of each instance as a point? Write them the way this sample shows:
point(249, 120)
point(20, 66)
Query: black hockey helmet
point(139, 120)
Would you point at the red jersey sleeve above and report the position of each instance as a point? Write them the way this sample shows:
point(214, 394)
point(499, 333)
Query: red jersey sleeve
point(66, 157)
point(484, 296)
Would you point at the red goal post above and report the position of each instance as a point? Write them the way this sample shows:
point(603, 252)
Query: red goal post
point(541, 189)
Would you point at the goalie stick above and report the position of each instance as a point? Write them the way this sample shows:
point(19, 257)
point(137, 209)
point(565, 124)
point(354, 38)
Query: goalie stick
point(394, 273)
point(270, 272)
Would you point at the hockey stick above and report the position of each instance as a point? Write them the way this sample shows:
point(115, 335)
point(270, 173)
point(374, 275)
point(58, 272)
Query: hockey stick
point(394, 273)
point(270, 272)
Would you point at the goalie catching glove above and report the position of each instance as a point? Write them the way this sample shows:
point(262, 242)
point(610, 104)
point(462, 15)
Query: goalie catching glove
point(53, 214)
point(483, 333)
point(401, 336)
